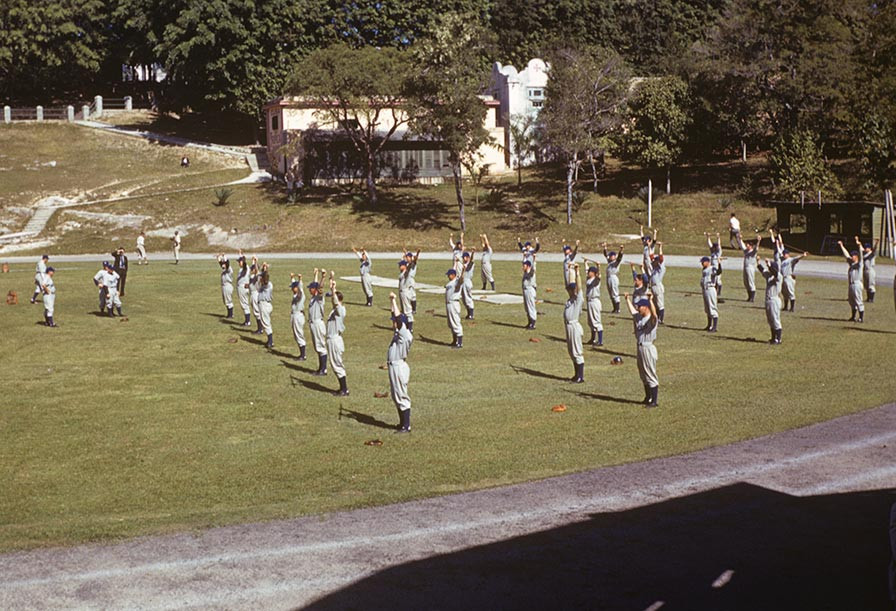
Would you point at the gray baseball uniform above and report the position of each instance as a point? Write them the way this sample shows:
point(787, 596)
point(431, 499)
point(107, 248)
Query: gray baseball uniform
point(466, 291)
point(710, 296)
point(773, 283)
point(366, 284)
point(592, 295)
point(242, 290)
point(405, 283)
point(749, 268)
point(335, 344)
point(253, 295)
point(317, 324)
point(227, 285)
point(645, 333)
point(297, 315)
point(869, 273)
point(49, 290)
point(613, 278)
point(399, 371)
point(110, 280)
point(715, 261)
point(485, 266)
point(452, 306)
point(266, 306)
point(788, 281)
point(856, 271)
point(40, 273)
point(571, 313)
point(657, 274)
point(529, 287)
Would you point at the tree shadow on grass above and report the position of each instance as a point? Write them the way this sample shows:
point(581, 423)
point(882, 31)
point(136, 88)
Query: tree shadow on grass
point(404, 210)
point(364, 418)
point(311, 385)
point(537, 374)
point(600, 397)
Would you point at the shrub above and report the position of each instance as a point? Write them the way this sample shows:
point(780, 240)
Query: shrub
point(223, 196)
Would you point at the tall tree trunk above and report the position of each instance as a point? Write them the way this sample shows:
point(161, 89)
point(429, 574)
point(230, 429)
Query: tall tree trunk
point(570, 180)
point(668, 178)
point(593, 170)
point(458, 190)
point(519, 173)
point(743, 151)
point(371, 180)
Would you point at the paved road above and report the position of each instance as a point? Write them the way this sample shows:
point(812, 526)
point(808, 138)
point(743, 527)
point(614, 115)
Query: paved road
point(796, 520)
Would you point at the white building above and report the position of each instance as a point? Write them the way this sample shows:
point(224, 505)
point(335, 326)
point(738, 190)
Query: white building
point(519, 93)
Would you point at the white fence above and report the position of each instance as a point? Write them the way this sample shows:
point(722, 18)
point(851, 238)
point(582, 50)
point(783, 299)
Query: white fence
point(94, 110)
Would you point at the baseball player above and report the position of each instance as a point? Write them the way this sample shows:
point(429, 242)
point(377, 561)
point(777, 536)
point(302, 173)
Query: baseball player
point(716, 258)
point(529, 287)
point(254, 279)
point(655, 281)
point(457, 249)
point(399, 372)
point(528, 250)
point(571, 313)
point(869, 254)
point(141, 249)
point(773, 281)
point(317, 323)
point(592, 299)
point(404, 291)
point(120, 265)
point(366, 284)
point(613, 261)
point(243, 293)
point(856, 268)
point(485, 264)
point(452, 306)
point(751, 252)
point(640, 281)
point(647, 242)
point(297, 312)
point(411, 287)
point(644, 316)
point(569, 257)
point(734, 238)
point(226, 283)
point(265, 303)
point(111, 280)
point(176, 240)
point(710, 296)
point(49, 291)
point(786, 263)
point(466, 291)
point(335, 344)
point(40, 271)
point(99, 279)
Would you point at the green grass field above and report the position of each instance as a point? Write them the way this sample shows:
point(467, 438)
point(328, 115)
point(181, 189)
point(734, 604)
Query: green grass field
point(177, 419)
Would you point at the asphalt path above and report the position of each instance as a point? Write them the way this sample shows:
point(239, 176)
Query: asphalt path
point(795, 520)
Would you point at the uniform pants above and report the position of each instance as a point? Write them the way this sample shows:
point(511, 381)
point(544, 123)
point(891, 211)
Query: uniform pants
point(298, 328)
point(574, 342)
point(529, 303)
point(399, 376)
point(711, 302)
point(466, 293)
point(593, 312)
point(243, 295)
point(750, 278)
point(38, 287)
point(406, 308)
point(855, 296)
point(112, 298)
point(104, 292)
point(335, 348)
point(318, 336)
point(227, 294)
point(49, 303)
point(659, 296)
point(485, 271)
point(253, 297)
point(366, 285)
point(788, 288)
point(773, 313)
point(266, 307)
point(613, 287)
point(141, 253)
point(177, 253)
point(452, 309)
point(647, 365)
point(870, 277)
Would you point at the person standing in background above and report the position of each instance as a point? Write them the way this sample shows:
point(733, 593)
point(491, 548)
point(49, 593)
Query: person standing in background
point(141, 249)
point(120, 265)
point(176, 241)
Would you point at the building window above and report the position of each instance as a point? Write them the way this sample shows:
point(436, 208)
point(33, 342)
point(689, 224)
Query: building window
point(866, 225)
point(275, 122)
point(536, 93)
point(836, 224)
point(797, 223)
point(537, 103)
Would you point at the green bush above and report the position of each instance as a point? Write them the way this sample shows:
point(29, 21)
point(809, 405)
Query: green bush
point(223, 196)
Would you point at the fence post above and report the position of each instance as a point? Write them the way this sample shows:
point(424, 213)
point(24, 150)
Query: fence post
point(40, 113)
point(128, 103)
point(85, 112)
point(70, 113)
point(7, 114)
point(98, 103)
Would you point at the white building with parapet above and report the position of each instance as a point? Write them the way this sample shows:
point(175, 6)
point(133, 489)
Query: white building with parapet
point(519, 93)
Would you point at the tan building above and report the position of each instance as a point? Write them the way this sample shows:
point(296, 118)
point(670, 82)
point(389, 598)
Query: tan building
point(301, 142)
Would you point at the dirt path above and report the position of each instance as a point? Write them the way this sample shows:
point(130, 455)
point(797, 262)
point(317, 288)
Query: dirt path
point(793, 520)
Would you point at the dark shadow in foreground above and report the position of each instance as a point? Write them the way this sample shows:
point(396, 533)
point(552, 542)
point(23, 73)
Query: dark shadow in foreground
point(737, 547)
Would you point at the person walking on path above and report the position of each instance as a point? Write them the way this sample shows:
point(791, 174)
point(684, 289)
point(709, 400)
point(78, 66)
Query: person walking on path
point(645, 323)
point(141, 249)
point(399, 371)
point(710, 296)
point(529, 291)
point(751, 252)
point(335, 343)
point(485, 263)
point(773, 280)
point(226, 283)
point(176, 242)
point(366, 284)
point(613, 261)
point(572, 311)
point(452, 306)
point(592, 300)
point(40, 271)
point(854, 277)
point(297, 312)
point(243, 291)
point(317, 322)
point(869, 254)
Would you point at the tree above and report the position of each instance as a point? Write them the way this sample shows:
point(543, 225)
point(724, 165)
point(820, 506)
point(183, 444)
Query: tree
point(874, 142)
point(50, 50)
point(798, 166)
point(446, 92)
point(657, 123)
point(584, 103)
point(522, 141)
point(363, 92)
